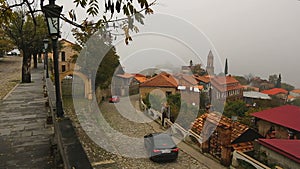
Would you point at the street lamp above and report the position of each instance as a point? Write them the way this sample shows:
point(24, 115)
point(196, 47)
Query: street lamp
point(52, 13)
point(46, 42)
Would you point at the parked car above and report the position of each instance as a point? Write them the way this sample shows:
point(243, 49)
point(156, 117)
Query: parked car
point(114, 99)
point(161, 147)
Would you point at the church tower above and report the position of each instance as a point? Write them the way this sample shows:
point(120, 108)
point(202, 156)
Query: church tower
point(210, 64)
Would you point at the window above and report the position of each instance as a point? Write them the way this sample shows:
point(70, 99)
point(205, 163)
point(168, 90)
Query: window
point(63, 56)
point(63, 68)
point(168, 93)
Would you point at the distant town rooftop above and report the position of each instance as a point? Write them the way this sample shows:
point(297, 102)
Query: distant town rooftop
point(256, 95)
point(287, 116)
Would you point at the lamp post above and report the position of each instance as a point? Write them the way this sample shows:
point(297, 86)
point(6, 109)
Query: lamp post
point(52, 14)
point(46, 41)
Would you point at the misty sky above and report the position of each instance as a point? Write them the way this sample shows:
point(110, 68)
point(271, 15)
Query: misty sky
point(261, 37)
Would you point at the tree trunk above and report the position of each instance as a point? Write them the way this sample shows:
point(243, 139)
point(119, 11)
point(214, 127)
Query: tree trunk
point(35, 61)
point(26, 74)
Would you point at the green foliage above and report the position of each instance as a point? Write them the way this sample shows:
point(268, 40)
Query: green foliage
point(296, 102)
point(287, 87)
point(107, 69)
point(153, 101)
point(174, 101)
point(226, 67)
point(197, 70)
point(235, 108)
point(273, 79)
point(242, 80)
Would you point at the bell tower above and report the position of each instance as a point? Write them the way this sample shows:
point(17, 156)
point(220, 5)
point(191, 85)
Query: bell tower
point(210, 64)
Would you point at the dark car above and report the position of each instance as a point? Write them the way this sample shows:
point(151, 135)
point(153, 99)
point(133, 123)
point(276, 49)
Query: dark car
point(161, 147)
point(114, 99)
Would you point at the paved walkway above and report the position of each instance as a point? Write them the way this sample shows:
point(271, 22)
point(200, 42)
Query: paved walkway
point(24, 135)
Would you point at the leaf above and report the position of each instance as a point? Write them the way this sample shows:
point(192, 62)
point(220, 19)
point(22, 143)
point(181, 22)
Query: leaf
point(118, 6)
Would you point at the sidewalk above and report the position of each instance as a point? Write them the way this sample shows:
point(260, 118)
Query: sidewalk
point(24, 135)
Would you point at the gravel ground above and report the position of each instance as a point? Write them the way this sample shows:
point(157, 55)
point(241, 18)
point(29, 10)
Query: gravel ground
point(10, 74)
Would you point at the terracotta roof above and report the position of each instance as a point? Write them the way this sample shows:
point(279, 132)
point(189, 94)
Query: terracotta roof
point(161, 80)
point(287, 148)
point(275, 91)
point(296, 91)
point(287, 116)
point(222, 80)
point(125, 75)
point(243, 147)
point(141, 79)
point(221, 121)
point(188, 78)
point(204, 79)
point(222, 83)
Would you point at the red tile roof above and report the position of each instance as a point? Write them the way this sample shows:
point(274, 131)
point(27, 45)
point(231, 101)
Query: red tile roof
point(288, 148)
point(204, 79)
point(161, 80)
point(287, 116)
point(275, 91)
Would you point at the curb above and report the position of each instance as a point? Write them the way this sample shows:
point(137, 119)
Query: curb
point(5, 97)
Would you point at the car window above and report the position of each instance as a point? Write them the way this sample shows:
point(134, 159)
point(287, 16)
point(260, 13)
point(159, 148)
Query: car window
point(163, 141)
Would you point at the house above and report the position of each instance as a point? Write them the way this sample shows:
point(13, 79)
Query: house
point(250, 97)
point(280, 152)
point(226, 88)
point(135, 83)
point(277, 93)
point(203, 81)
point(121, 83)
point(162, 84)
point(221, 136)
point(295, 93)
point(281, 122)
point(66, 56)
point(250, 88)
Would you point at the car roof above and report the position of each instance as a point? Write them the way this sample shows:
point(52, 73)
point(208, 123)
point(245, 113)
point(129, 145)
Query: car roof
point(163, 140)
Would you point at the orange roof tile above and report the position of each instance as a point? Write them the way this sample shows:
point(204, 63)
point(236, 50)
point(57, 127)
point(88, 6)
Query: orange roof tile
point(141, 79)
point(296, 91)
point(161, 80)
point(125, 75)
point(275, 91)
point(204, 79)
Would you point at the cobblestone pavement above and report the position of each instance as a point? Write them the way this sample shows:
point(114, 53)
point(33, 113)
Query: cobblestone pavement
point(10, 74)
point(100, 158)
point(24, 135)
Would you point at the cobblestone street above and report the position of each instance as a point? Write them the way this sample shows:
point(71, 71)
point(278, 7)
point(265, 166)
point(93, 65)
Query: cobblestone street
point(100, 158)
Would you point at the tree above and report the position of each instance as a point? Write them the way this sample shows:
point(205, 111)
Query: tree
point(242, 80)
point(131, 10)
point(24, 34)
point(5, 43)
point(197, 70)
point(296, 102)
point(273, 79)
point(235, 108)
point(287, 87)
point(226, 67)
point(278, 83)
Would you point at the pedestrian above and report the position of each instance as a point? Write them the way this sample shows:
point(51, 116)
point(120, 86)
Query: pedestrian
point(164, 114)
